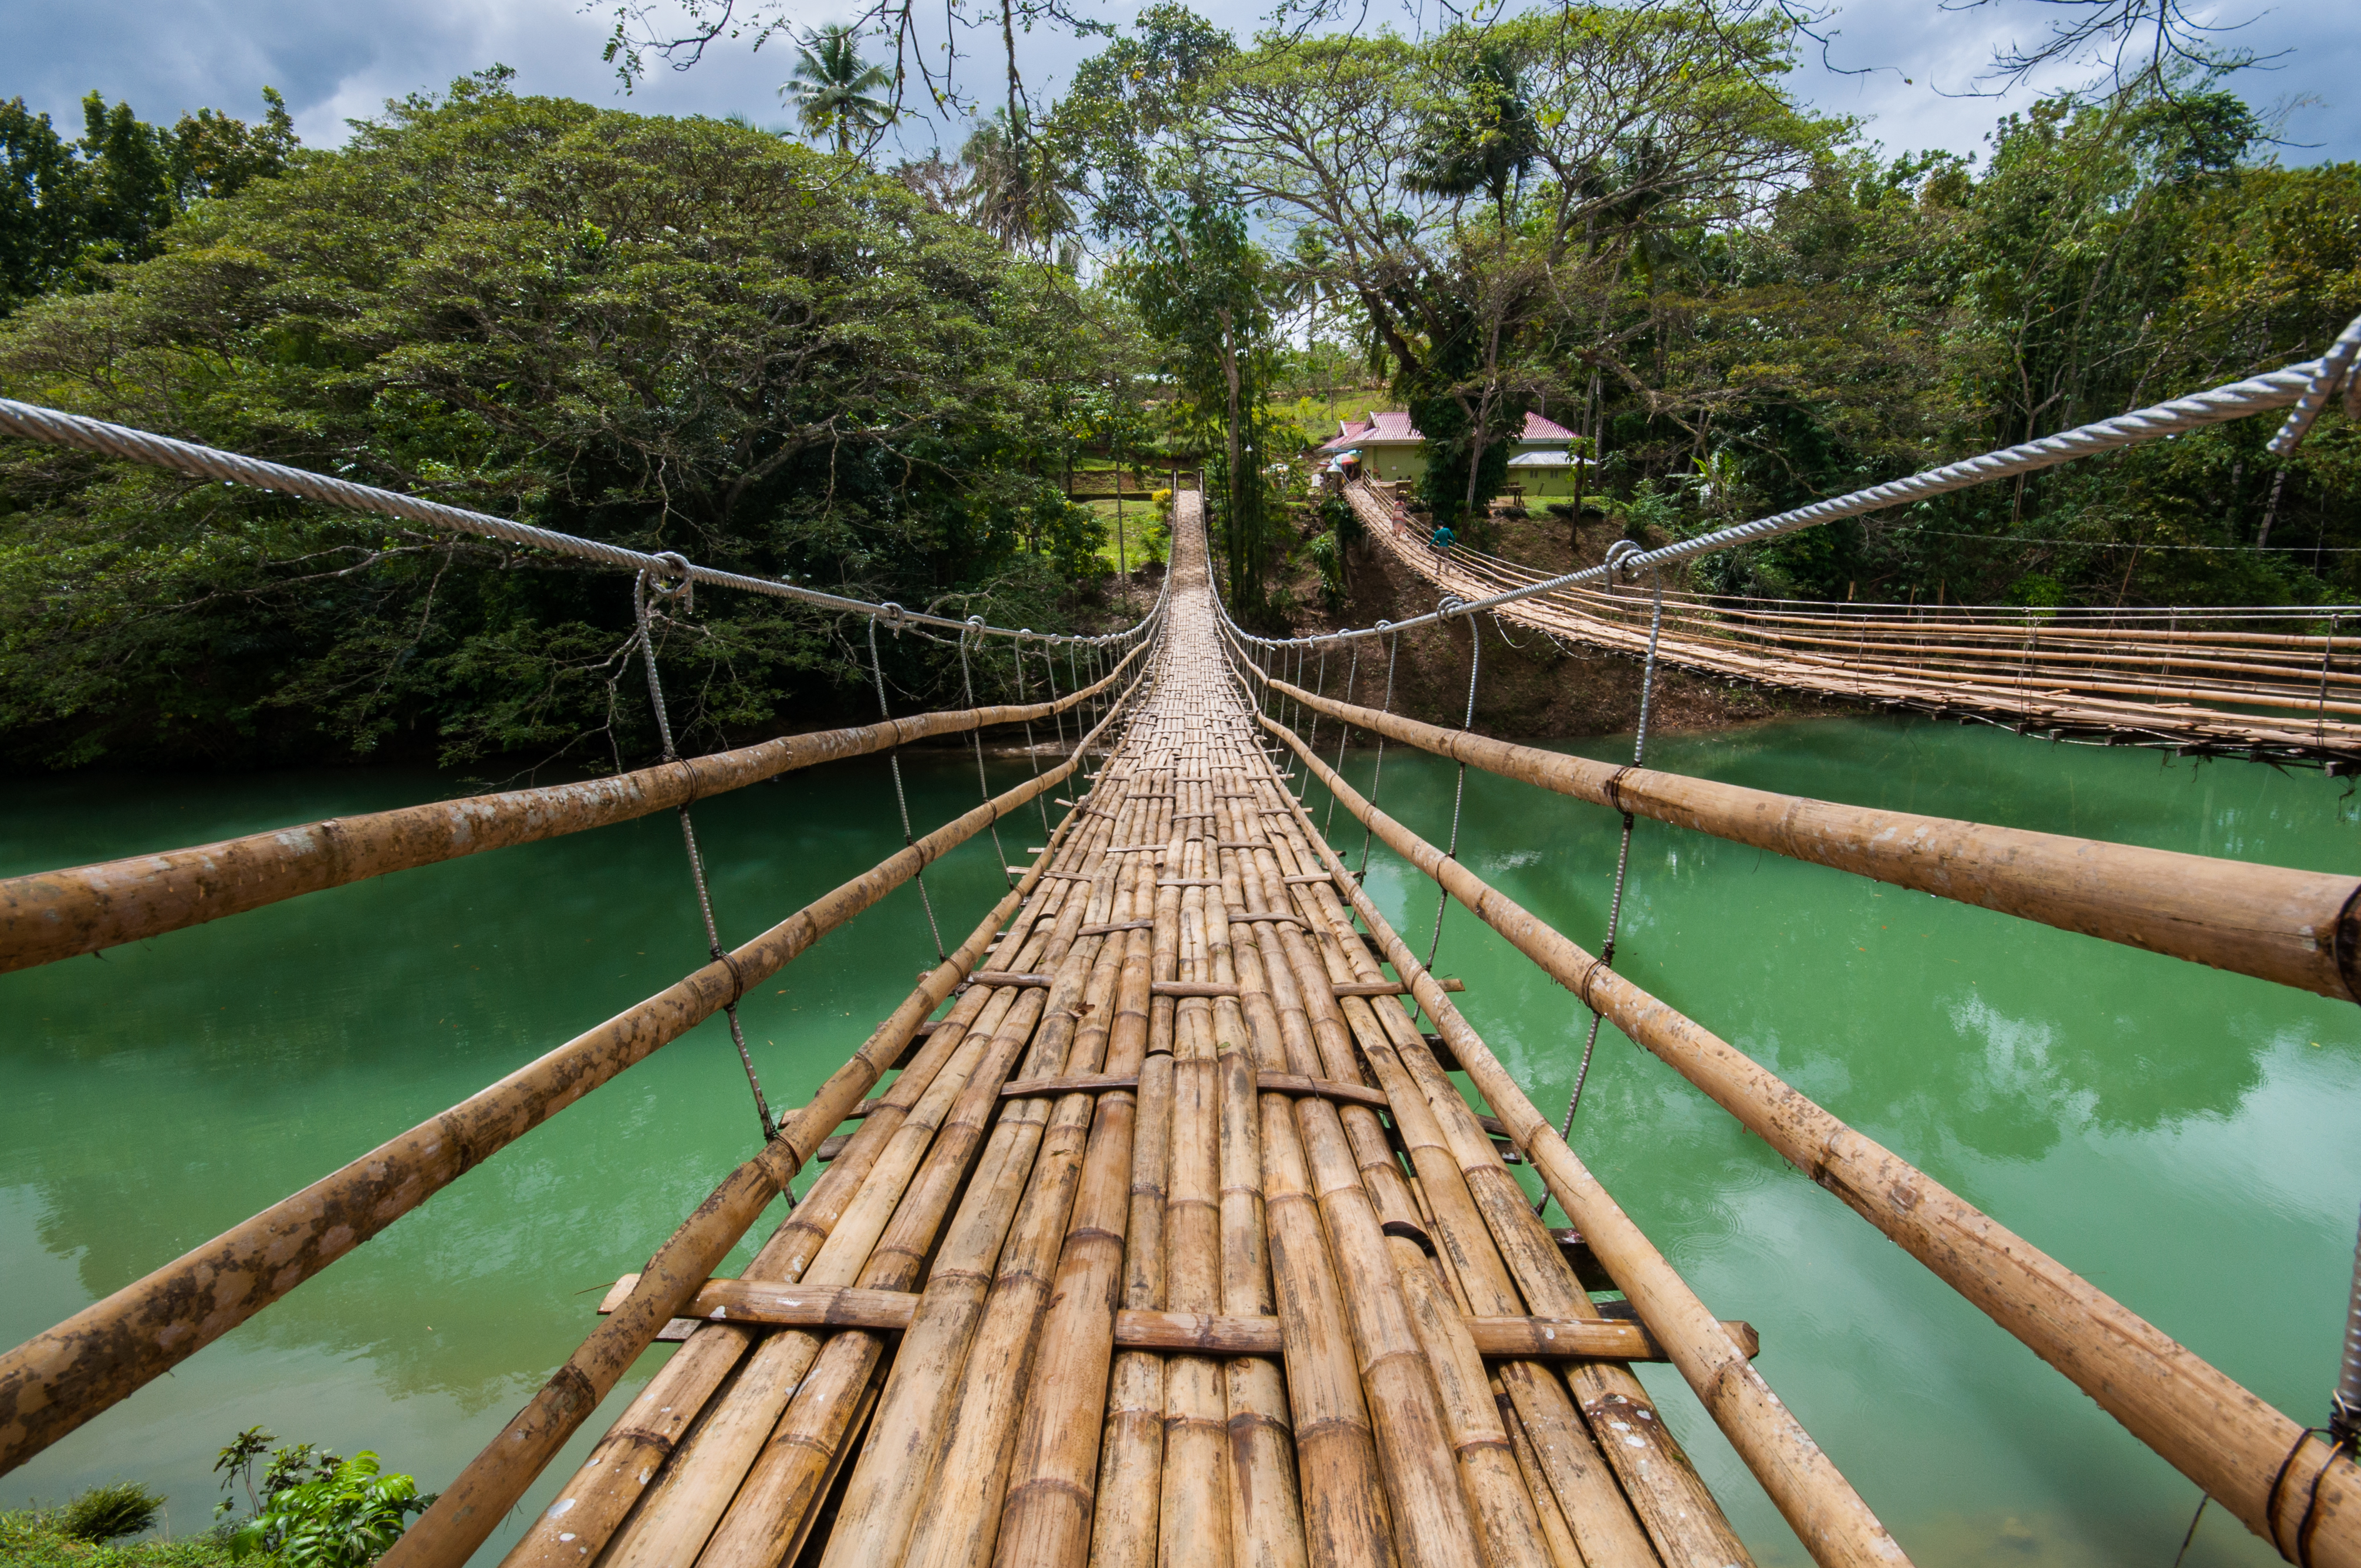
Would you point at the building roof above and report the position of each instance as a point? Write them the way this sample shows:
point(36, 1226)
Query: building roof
point(1392, 427)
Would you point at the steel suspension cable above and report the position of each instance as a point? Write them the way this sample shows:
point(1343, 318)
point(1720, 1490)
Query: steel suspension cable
point(1622, 854)
point(647, 587)
point(900, 799)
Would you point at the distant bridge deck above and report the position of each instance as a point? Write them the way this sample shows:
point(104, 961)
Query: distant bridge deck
point(2279, 684)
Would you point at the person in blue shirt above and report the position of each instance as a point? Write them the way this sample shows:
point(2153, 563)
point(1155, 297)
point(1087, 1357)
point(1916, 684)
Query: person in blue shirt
point(1444, 538)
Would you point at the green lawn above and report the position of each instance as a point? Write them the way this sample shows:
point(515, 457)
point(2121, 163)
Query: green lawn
point(1143, 531)
point(29, 1539)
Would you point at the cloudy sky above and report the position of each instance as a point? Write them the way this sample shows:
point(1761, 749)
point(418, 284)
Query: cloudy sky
point(341, 60)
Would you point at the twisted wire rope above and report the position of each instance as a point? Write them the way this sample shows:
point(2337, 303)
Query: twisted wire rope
point(55, 427)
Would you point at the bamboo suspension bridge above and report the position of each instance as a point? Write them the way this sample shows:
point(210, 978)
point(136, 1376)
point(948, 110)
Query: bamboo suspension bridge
point(1159, 1224)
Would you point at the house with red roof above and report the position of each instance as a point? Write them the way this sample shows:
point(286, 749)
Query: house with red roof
point(1388, 446)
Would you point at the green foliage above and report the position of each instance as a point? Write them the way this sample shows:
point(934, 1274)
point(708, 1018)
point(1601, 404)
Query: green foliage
point(110, 1512)
point(834, 90)
point(674, 333)
point(70, 208)
point(1201, 289)
point(343, 1519)
point(30, 1538)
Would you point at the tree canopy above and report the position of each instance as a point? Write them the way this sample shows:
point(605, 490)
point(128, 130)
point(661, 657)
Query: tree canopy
point(673, 333)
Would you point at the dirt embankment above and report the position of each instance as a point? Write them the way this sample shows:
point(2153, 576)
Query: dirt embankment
point(1530, 687)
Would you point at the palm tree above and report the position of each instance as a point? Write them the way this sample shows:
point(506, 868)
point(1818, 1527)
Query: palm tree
point(832, 86)
point(1017, 188)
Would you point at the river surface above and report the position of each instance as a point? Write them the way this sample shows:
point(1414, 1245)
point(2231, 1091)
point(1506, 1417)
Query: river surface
point(2182, 1137)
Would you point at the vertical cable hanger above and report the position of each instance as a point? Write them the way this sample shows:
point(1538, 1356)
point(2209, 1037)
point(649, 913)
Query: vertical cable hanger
point(967, 685)
point(645, 590)
point(1615, 556)
point(1451, 603)
point(1344, 736)
point(893, 762)
point(1378, 775)
point(1039, 804)
point(1319, 687)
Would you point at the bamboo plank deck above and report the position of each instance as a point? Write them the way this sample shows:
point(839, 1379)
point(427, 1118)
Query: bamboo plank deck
point(2278, 692)
point(1158, 1251)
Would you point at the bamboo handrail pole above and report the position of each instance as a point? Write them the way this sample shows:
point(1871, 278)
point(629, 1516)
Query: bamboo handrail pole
point(466, 1511)
point(54, 1382)
point(1345, 1516)
point(2296, 928)
point(610, 1483)
point(1822, 1507)
point(1266, 1510)
point(49, 916)
point(997, 1142)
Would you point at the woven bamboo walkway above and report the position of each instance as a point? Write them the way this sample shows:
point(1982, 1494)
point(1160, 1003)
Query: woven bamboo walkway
point(2281, 686)
point(1154, 1121)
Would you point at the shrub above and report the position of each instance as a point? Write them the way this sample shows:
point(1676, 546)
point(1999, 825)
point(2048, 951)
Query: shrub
point(342, 1519)
point(110, 1512)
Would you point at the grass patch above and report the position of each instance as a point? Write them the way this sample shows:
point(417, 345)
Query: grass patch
point(37, 1538)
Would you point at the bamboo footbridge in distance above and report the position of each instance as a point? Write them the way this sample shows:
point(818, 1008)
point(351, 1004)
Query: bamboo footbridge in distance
point(1170, 1219)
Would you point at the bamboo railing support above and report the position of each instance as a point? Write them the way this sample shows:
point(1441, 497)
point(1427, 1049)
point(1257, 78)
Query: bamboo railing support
point(49, 916)
point(466, 1512)
point(59, 1379)
point(1817, 1502)
point(2232, 1444)
point(2299, 928)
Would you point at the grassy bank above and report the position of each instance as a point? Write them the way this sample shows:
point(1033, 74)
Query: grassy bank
point(31, 1538)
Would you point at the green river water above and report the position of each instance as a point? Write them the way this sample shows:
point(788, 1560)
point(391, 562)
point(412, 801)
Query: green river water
point(2181, 1138)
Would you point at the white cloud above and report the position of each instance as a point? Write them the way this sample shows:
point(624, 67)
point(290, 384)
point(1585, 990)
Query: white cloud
point(339, 61)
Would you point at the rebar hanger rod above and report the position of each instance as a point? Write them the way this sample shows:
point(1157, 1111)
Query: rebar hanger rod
point(646, 590)
point(893, 762)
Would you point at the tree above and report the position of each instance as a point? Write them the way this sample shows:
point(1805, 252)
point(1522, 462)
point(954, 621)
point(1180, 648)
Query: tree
point(1017, 186)
point(68, 210)
point(674, 333)
point(1201, 289)
point(833, 89)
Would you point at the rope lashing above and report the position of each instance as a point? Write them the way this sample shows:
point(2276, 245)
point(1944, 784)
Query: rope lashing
point(1618, 554)
point(646, 590)
point(967, 688)
point(2336, 374)
point(1345, 735)
point(894, 763)
point(1452, 604)
point(1377, 773)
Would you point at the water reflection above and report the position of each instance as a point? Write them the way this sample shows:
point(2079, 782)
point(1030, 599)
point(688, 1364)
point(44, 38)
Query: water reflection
point(2180, 1136)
